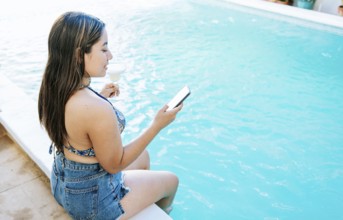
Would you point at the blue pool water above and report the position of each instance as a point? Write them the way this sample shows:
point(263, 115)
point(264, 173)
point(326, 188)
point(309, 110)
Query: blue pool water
point(260, 137)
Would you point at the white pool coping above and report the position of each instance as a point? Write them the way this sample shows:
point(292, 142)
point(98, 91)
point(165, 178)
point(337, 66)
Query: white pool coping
point(19, 116)
point(292, 11)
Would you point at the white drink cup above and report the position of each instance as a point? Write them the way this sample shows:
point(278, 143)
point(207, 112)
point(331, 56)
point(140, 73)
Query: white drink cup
point(114, 71)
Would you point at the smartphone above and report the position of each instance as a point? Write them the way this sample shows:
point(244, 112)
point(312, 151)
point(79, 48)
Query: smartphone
point(179, 98)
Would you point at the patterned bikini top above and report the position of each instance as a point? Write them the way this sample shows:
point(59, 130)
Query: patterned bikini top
point(90, 152)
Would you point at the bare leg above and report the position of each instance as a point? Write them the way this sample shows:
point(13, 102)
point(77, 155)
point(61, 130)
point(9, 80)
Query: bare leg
point(141, 163)
point(148, 187)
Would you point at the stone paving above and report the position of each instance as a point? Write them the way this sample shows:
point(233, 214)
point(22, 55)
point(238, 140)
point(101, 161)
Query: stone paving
point(24, 188)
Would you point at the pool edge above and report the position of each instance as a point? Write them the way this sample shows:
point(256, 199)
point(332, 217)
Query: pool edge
point(292, 11)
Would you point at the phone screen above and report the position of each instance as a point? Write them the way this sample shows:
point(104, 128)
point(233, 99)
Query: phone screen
point(179, 98)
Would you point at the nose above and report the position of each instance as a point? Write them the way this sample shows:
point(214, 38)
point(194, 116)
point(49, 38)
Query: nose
point(109, 56)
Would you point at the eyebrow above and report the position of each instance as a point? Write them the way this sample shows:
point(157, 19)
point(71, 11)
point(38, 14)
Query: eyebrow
point(105, 44)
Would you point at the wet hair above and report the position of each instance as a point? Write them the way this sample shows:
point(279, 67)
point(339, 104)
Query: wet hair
point(71, 37)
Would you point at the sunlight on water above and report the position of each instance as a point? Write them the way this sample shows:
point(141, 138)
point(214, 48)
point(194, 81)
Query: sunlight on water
point(261, 135)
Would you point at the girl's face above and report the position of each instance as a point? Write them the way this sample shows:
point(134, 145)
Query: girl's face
point(96, 61)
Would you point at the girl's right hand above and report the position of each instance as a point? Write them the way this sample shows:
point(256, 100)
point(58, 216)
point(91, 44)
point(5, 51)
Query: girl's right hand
point(164, 117)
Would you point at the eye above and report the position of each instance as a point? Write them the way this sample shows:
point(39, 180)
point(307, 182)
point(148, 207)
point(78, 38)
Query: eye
point(105, 49)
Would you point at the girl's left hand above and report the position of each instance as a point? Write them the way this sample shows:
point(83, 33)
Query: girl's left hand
point(110, 90)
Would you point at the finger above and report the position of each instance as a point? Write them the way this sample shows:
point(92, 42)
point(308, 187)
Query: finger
point(108, 85)
point(180, 107)
point(176, 109)
point(164, 108)
point(114, 93)
point(116, 86)
point(116, 89)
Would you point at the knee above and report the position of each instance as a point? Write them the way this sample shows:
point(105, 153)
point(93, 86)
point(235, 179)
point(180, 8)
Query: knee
point(173, 180)
point(176, 181)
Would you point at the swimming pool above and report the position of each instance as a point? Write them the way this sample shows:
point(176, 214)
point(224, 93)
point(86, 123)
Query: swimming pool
point(261, 135)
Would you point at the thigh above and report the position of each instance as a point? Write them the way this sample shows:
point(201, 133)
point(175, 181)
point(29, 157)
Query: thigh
point(146, 187)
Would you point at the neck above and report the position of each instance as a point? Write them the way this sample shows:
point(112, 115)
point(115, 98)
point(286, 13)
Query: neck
point(86, 81)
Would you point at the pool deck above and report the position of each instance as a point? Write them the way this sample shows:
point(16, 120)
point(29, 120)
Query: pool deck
point(292, 12)
point(26, 164)
point(24, 188)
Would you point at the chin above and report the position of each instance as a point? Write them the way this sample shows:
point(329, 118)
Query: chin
point(102, 74)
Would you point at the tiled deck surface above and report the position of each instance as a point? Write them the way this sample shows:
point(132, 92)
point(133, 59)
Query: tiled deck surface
point(24, 188)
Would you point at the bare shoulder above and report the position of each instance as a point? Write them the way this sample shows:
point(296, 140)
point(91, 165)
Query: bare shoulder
point(84, 104)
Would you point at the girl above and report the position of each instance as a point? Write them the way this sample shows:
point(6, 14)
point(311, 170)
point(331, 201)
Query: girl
point(94, 176)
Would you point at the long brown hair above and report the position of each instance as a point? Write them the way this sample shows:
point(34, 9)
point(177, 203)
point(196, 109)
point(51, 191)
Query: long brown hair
point(71, 37)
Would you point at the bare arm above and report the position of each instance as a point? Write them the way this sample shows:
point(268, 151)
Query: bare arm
point(107, 143)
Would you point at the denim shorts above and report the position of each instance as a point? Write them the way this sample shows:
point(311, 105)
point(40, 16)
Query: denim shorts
point(87, 191)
